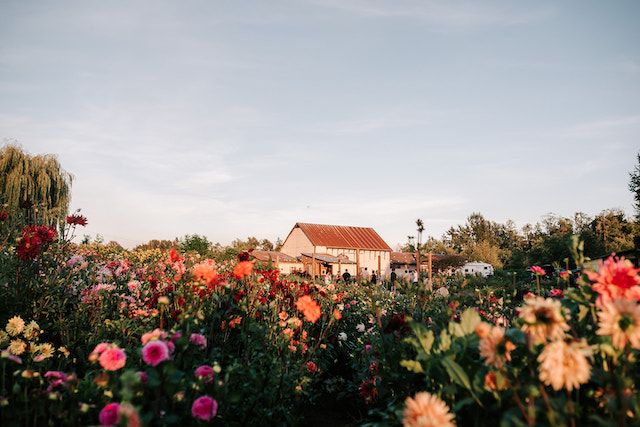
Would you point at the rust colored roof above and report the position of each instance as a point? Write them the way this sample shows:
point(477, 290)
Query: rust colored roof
point(275, 256)
point(339, 236)
point(403, 257)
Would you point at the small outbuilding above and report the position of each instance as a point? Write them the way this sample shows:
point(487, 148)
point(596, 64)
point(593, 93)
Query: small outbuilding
point(477, 267)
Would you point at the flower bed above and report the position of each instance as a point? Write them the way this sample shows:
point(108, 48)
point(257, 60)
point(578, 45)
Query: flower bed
point(95, 336)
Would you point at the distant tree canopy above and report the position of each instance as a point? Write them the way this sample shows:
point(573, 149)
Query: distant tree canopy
point(504, 246)
point(33, 188)
point(195, 243)
point(164, 245)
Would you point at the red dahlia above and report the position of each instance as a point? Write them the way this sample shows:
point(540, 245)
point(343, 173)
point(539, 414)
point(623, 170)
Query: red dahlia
point(76, 219)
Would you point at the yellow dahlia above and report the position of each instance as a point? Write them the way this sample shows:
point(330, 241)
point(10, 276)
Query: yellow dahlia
point(17, 347)
point(32, 330)
point(15, 326)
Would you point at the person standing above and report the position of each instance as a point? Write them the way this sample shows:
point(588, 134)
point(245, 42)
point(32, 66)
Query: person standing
point(346, 276)
point(365, 275)
point(327, 278)
point(374, 277)
point(393, 278)
point(406, 276)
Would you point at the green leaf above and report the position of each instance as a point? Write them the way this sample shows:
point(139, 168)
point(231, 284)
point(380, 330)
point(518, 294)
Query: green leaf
point(412, 365)
point(582, 313)
point(516, 336)
point(445, 340)
point(462, 403)
point(457, 374)
point(469, 320)
point(456, 330)
point(426, 338)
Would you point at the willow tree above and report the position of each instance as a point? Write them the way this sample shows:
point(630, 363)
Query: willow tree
point(33, 188)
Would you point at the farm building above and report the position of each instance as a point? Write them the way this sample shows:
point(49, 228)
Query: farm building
point(283, 262)
point(354, 249)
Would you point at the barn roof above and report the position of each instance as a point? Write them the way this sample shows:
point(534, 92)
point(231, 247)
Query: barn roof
point(275, 256)
point(403, 257)
point(328, 258)
point(339, 236)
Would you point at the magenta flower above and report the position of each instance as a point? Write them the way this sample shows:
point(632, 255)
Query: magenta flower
point(555, 293)
point(198, 340)
point(113, 359)
point(155, 352)
point(109, 414)
point(205, 372)
point(204, 408)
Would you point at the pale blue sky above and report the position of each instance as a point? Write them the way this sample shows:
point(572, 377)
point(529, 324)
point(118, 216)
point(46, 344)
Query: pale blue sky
point(239, 118)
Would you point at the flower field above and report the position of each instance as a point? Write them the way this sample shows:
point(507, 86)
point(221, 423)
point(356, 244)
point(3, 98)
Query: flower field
point(97, 336)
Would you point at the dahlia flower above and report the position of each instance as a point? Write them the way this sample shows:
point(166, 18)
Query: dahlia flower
point(426, 410)
point(113, 359)
point(565, 365)
point(496, 348)
point(309, 308)
point(543, 318)
point(620, 319)
point(204, 408)
point(617, 279)
point(155, 352)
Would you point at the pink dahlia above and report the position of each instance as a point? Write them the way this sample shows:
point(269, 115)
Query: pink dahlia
point(109, 414)
point(204, 408)
point(198, 340)
point(155, 352)
point(205, 372)
point(617, 279)
point(113, 359)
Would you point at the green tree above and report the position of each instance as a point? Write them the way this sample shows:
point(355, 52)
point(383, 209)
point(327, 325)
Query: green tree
point(478, 240)
point(278, 244)
point(164, 245)
point(634, 187)
point(195, 243)
point(37, 183)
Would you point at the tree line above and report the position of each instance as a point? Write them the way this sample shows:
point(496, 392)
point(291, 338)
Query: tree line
point(547, 242)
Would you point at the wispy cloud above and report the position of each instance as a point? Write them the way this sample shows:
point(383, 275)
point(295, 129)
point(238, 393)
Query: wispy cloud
point(441, 15)
point(599, 128)
point(628, 66)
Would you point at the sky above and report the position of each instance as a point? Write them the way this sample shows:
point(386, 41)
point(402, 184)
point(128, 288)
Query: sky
point(231, 119)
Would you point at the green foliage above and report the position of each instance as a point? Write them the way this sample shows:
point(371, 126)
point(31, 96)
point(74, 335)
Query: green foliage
point(33, 188)
point(195, 243)
point(634, 187)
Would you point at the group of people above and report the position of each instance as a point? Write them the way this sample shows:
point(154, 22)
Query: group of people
point(373, 277)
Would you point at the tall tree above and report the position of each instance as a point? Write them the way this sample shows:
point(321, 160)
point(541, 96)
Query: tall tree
point(37, 183)
point(634, 187)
